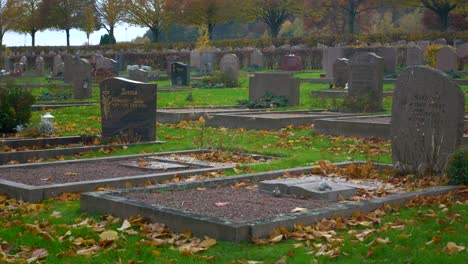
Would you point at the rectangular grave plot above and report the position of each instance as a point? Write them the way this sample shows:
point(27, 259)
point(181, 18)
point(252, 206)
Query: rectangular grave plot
point(39, 181)
point(175, 115)
point(213, 208)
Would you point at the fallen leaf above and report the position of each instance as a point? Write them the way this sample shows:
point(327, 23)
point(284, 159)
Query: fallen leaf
point(109, 235)
point(125, 225)
point(207, 243)
point(453, 248)
point(38, 254)
point(56, 214)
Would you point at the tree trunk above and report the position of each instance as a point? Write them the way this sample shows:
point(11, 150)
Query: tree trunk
point(156, 32)
point(210, 30)
point(443, 20)
point(68, 36)
point(33, 37)
point(111, 35)
point(351, 18)
point(274, 29)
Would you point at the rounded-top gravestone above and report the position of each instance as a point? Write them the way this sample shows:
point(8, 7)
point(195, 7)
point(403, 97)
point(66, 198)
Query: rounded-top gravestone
point(230, 68)
point(446, 59)
point(427, 121)
point(341, 72)
point(256, 59)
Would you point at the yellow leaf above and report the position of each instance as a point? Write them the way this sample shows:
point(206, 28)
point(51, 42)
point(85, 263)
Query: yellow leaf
point(55, 214)
point(276, 239)
point(109, 235)
point(207, 243)
point(453, 248)
point(125, 225)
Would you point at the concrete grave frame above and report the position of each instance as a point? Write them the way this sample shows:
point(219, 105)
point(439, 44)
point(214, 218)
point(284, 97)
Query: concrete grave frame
point(177, 114)
point(113, 202)
point(34, 193)
point(262, 120)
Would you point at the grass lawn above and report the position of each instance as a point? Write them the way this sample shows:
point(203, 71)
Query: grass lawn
point(420, 232)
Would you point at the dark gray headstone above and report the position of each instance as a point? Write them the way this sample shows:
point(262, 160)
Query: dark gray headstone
point(341, 73)
point(446, 59)
point(82, 83)
point(291, 63)
point(128, 109)
point(8, 64)
point(68, 68)
point(180, 74)
point(57, 68)
point(277, 83)
point(330, 55)
point(427, 121)
point(389, 56)
point(414, 56)
point(138, 75)
point(230, 68)
point(366, 82)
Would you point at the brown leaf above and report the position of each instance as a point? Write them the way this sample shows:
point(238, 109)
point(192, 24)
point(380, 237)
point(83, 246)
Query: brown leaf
point(38, 254)
point(453, 248)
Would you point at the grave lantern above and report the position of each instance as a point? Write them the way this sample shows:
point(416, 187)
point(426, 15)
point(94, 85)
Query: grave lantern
point(47, 124)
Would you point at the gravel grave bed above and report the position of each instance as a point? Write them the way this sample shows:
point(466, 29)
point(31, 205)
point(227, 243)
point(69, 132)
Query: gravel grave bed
point(232, 204)
point(80, 171)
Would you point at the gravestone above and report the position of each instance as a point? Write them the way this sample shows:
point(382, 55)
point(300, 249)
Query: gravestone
point(366, 82)
point(446, 59)
point(341, 73)
point(423, 44)
point(8, 64)
point(230, 69)
point(256, 59)
point(24, 61)
point(169, 61)
point(329, 56)
point(462, 50)
point(57, 69)
point(180, 74)
point(276, 83)
point(291, 62)
point(18, 69)
point(106, 65)
point(206, 62)
point(195, 59)
point(40, 66)
point(427, 121)
point(138, 75)
point(67, 68)
point(414, 56)
point(82, 83)
point(440, 41)
point(128, 110)
point(389, 56)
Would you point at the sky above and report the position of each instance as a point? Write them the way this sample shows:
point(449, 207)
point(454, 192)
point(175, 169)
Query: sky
point(77, 38)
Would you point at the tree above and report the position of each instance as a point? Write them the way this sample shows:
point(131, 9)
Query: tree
point(206, 12)
point(64, 14)
point(89, 25)
point(273, 12)
point(153, 14)
point(111, 12)
point(353, 8)
point(29, 21)
point(8, 15)
point(442, 8)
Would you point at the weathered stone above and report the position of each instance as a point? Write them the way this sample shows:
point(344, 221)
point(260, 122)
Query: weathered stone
point(462, 50)
point(446, 59)
point(423, 44)
point(18, 68)
point(414, 56)
point(276, 83)
point(8, 64)
point(427, 121)
point(40, 66)
point(291, 63)
point(24, 61)
point(389, 56)
point(128, 110)
point(180, 74)
point(107, 65)
point(82, 83)
point(195, 59)
point(67, 68)
point(256, 59)
point(366, 82)
point(138, 75)
point(57, 68)
point(230, 69)
point(207, 62)
point(330, 55)
point(341, 73)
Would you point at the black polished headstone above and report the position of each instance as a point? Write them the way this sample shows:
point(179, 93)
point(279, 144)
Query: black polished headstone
point(180, 74)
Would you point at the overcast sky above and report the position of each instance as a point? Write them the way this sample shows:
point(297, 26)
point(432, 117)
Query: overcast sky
point(77, 38)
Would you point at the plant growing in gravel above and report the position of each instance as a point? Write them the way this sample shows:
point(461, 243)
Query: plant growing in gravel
point(457, 171)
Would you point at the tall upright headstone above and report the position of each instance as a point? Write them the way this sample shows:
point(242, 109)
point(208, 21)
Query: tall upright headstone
point(256, 59)
point(427, 121)
point(366, 82)
point(414, 56)
point(68, 68)
point(180, 74)
point(276, 83)
point(207, 62)
point(24, 61)
point(446, 59)
point(341, 71)
point(389, 56)
point(82, 83)
point(230, 68)
point(39, 66)
point(195, 59)
point(8, 64)
point(57, 68)
point(330, 55)
point(128, 110)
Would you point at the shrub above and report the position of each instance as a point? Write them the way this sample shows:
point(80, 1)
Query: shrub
point(15, 107)
point(457, 170)
point(267, 101)
point(431, 53)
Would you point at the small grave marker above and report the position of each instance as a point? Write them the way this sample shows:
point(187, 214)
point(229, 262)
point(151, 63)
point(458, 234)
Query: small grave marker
point(291, 63)
point(180, 74)
point(341, 73)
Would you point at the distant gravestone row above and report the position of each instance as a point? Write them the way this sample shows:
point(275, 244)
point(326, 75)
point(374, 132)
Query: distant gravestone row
point(427, 121)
